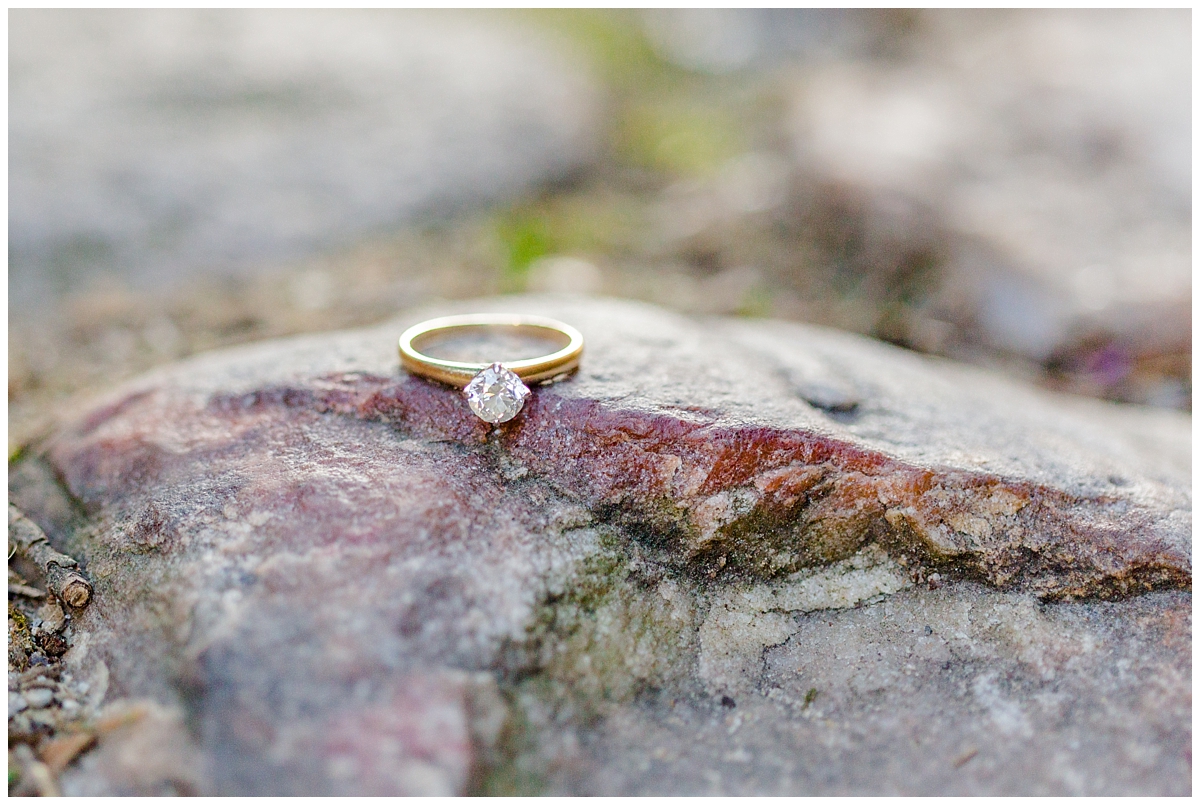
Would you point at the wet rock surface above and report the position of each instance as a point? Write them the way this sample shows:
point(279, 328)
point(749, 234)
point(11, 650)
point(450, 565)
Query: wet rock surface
point(150, 147)
point(727, 556)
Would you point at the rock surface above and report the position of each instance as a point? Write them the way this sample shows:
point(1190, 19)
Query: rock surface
point(728, 556)
point(151, 145)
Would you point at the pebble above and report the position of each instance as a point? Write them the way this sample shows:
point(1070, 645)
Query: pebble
point(16, 703)
point(52, 618)
point(31, 675)
point(39, 697)
point(44, 717)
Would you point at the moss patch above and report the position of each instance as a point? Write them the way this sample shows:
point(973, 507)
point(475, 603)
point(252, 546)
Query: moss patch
point(20, 639)
point(624, 626)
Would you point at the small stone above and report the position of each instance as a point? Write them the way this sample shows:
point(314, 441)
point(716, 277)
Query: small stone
point(496, 395)
point(39, 697)
point(44, 717)
point(16, 703)
point(53, 618)
point(19, 725)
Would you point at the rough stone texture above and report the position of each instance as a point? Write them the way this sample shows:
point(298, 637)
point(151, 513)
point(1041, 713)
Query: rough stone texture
point(1052, 148)
point(729, 556)
point(961, 691)
point(150, 145)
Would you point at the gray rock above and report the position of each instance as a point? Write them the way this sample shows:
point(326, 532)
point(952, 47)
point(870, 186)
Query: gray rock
point(151, 145)
point(962, 691)
point(42, 718)
point(722, 40)
point(39, 697)
point(673, 573)
point(1054, 150)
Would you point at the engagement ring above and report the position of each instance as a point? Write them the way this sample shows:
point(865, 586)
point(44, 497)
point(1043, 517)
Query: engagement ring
point(493, 388)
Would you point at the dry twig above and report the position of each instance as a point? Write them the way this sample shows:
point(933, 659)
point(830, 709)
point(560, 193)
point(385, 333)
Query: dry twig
point(63, 577)
point(28, 592)
point(58, 753)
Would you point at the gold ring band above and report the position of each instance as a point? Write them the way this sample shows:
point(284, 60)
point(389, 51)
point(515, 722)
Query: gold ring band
point(458, 373)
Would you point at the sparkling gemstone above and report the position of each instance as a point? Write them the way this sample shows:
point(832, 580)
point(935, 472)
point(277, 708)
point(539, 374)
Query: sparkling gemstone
point(496, 394)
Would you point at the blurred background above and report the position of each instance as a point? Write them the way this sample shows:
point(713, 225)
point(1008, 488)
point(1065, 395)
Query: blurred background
point(1009, 188)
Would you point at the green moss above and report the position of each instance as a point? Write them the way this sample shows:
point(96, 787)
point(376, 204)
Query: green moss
point(610, 636)
point(589, 222)
point(525, 235)
point(770, 540)
point(20, 639)
point(18, 624)
point(666, 118)
point(511, 780)
point(614, 634)
point(516, 775)
point(756, 303)
point(612, 41)
point(680, 138)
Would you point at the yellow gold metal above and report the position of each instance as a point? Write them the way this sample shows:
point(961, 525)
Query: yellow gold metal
point(456, 373)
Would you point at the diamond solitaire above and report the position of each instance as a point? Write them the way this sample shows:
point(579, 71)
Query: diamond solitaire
point(496, 391)
point(496, 395)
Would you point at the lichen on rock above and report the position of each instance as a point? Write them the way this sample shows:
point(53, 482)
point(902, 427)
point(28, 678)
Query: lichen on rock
point(744, 620)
